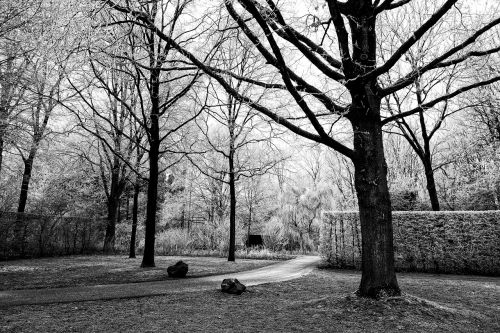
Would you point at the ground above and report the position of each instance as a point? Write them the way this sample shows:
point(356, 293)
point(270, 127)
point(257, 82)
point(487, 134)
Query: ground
point(88, 270)
point(322, 301)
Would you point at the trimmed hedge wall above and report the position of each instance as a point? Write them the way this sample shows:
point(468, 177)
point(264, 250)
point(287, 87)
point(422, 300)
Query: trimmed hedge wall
point(440, 242)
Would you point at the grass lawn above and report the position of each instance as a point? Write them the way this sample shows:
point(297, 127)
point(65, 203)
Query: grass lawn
point(319, 302)
point(93, 270)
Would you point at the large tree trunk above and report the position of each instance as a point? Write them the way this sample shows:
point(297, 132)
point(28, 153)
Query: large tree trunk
point(378, 275)
point(232, 208)
point(135, 209)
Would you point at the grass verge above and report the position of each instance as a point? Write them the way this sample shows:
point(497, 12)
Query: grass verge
point(93, 270)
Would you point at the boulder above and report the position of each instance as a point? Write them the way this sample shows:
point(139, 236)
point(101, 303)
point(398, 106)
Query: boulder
point(179, 270)
point(232, 286)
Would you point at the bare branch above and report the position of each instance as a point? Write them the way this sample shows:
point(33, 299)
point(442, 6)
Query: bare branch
point(390, 4)
point(430, 104)
point(410, 42)
point(267, 112)
point(438, 62)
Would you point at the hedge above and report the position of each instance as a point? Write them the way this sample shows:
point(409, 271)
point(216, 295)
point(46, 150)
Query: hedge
point(439, 242)
point(45, 235)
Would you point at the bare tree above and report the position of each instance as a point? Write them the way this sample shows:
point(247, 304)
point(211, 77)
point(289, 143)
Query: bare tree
point(12, 90)
point(16, 19)
point(485, 112)
point(238, 146)
point(17, 14)
point(109, 98)
point(350, 92)
point(164, 81)
point(254, 194)
point(41, 98)
point(422, 131)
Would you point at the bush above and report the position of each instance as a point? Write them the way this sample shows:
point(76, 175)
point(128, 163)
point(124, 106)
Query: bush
point(122, 236)
point(173, 241)
point(442, 242)
point(207, 238)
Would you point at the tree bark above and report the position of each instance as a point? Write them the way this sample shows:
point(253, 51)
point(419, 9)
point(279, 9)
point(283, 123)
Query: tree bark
point(135, 209)
point(378, 276)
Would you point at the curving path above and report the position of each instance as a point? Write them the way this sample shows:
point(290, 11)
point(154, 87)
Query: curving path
point(283, 271)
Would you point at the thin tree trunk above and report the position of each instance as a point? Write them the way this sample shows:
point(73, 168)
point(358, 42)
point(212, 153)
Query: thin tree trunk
point(127, 207)
point(23, 198)
point(431, 186)
point(427, 154)
point(113, 207)
point(28, 167)
point(232, 208)
point(109, 238)
point(1, 150)
point(249, 224)
point(148, 259)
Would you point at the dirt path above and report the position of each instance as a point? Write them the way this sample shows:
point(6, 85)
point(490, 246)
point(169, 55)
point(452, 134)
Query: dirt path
point(283, 271)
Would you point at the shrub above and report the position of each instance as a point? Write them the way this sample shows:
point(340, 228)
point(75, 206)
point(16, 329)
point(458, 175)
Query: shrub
point(445, 242)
